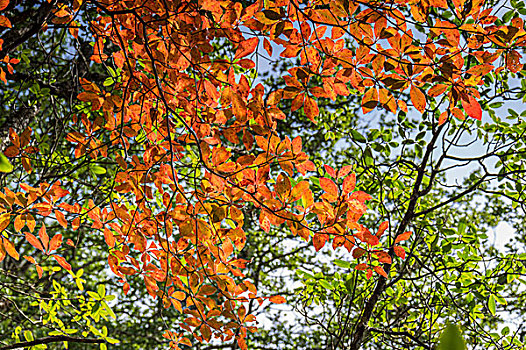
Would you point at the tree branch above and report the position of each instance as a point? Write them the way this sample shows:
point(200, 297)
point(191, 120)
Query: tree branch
point(52, 339)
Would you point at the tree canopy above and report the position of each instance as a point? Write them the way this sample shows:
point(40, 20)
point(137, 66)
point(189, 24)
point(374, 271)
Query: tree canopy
point(205, 174)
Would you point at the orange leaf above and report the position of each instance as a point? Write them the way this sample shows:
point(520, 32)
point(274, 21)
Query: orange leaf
point(349, 183)
point(438, 3)
point(437, 90)
point(418, 98)
point(403, 237)
point(62, 262)
point(379, 270)
point(34, 241)
point(109, 238)
point(277, 299)
point(30, 259)
point(246, 47)
point(267, 46)
point(4, 22)
point(344, 171)
point(330, 170)
point(383, 226)
point(299, 190)
point(319, 241)
point(5, 220)
point(369, 100)
point(443, 117)
point(311, 108)
point(3, 4)
point(399, 251)
point(43, 236)
point(472, 108)
point(297, 102)
point(61, 219)
point(56, 242)
point(361, 196)
point(19, 223)
point(10, 248)
point(246, 63)
point(329, 186)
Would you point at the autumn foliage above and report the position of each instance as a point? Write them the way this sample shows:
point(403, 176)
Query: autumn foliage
point(198, 144)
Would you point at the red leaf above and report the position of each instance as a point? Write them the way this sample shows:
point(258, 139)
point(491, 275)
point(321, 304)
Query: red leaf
point(277, 299)
point(472, 108)
point(329, 186)
point(403, 237)
point(349, 183)
point(62, 262)
point(246, 47)
point(358, 252)
point(418, 98)
point(34, 241)
point(12, 151)
point(399, 251)
point(361, 267)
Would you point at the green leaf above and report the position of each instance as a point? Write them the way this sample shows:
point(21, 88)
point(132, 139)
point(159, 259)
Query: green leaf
point(112, 340)
point(325, 284)
point(98, 170)
point(356, 136)
point(101, 290)
point(342, 263)
point(28, 335)
point(451, 339)
point(349, 284)
point(491, 304)
point(5, 165)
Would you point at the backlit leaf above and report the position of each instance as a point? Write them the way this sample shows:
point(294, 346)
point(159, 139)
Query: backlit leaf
point(246, 47)
point(5, 165)
point(418, 99)
point(451, 339)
